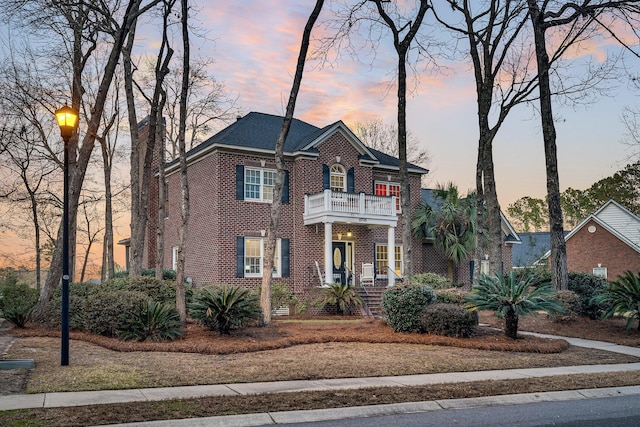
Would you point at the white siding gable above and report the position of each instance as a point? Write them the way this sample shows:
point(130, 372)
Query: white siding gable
point(623, 222)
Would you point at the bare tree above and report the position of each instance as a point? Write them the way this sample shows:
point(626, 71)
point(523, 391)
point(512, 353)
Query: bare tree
point(384, 137)
point(184, 181)
point(404, 32)
point(579, 18)
point(272, 233)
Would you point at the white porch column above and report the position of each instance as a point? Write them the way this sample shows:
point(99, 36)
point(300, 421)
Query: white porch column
point(328, 255)
point(391, 255)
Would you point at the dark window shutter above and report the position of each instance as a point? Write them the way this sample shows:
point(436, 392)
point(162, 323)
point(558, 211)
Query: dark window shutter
point(285, 189)
point(351, 181)
point(239, 256)
point(325, 177)
point(239, 182)
point(286, 262)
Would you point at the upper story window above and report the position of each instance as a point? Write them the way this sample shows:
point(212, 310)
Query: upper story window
point(338, 178)
point(259, 184)
point(384, 188)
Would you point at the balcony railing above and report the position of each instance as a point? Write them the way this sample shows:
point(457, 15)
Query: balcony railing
point(349, 207)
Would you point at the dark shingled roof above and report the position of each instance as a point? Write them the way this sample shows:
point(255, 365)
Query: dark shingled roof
point(533, 247)
point(259, 131)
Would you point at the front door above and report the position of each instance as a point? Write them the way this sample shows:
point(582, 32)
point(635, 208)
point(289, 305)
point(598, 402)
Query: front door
point(339, 258)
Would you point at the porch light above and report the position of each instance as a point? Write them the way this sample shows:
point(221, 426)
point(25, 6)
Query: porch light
point(349, 233)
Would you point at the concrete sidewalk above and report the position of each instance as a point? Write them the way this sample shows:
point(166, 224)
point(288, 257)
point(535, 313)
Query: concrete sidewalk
point(51, 400)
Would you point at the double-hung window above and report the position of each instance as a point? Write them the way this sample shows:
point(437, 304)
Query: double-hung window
point(254, 250)
point(382, 259)
point(384, 188)
point(338, 178)
point(259, 184)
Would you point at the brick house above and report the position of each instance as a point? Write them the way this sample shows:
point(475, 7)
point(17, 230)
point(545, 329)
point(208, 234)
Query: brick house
point(606, 243)
point(341, 207)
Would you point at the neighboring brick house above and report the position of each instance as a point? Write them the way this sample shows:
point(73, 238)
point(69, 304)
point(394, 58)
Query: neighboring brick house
point(340, 206)
point(606, 243)
point(434, 261)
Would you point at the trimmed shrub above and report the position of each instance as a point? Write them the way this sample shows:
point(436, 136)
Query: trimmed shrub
point(18, 302)
point(571, 302)
point(403, 306)
point(158, 290)
point(449, 320)
point(451, 296)
point(78, 293)
point(224, 308)
point(433, 280)
point(167, 274)
point(281, 295)
point(108, 311)
point(587, 286)
point(153, 321)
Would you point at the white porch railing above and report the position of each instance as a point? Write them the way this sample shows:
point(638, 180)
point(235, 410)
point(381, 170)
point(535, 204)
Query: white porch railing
point(357, 206)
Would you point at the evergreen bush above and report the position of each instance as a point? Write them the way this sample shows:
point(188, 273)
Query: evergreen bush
point(107, 311)
point(451, 296)
point(18, 301)
point(433, 280)
point(403, 306)
point(450, 320)
point(571, 302)
point(587, 286)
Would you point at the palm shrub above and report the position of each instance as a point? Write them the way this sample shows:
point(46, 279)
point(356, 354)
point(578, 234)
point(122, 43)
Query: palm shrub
point(18, 301)
point(511, 296)
point(403, 306)
point(224, 308)
point(152, 320)
point(344, 298)
point(623, 298)
point(449, 320)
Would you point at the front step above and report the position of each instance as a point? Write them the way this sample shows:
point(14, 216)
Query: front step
point(372, 298)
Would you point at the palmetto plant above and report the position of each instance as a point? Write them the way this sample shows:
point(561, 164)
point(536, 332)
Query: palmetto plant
point(225, 307)
point(452, 224)
point(512, 296)
point(153, 321)
point(344, 297)
point(623, 296)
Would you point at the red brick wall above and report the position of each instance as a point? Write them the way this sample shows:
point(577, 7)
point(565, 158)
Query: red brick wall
point(217, 218)
point(586, 250)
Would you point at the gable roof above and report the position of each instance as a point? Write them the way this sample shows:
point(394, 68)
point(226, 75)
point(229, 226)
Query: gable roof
point(258, 132)
point(616, 219)
point(427, 196)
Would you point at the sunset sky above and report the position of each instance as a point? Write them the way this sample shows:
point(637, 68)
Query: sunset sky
point(255, 45)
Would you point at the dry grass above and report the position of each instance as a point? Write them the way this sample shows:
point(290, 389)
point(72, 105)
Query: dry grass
point(301, 349)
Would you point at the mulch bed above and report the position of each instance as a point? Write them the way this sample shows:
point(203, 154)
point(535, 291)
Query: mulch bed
point(289, 332)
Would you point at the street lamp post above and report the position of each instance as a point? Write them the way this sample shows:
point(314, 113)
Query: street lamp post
point(67, 119)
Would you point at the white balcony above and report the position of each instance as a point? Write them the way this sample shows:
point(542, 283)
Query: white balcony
point(356, 208)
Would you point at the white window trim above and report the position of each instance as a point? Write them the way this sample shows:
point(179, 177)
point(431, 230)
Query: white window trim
point(342, 174)
point(375, 261)
point(395, 184)
point(262, 172)
point(174, 258)
point(263, 241)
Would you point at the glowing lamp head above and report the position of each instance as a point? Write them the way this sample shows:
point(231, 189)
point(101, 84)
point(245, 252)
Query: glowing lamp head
point(67, 121)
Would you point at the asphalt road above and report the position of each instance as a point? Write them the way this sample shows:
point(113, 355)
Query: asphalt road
point(610, 412)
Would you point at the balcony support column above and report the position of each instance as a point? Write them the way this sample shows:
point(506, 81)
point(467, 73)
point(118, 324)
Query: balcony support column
point(328, 254)
point(391, 255)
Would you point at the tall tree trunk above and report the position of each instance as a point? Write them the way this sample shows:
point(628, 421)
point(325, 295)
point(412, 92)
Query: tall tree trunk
point(184, 206)
point(78, 166)
point(162, 192)
point(402, 47)
point(108, 267)
point(276, 205)
point(558, 246)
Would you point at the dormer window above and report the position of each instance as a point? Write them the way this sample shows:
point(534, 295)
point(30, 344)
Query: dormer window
point(338, 178)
